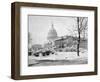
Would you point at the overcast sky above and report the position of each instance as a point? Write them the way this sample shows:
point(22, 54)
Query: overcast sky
point(39, 27)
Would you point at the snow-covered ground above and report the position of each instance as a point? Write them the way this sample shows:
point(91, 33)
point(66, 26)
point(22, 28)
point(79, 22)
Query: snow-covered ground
point(60, 58)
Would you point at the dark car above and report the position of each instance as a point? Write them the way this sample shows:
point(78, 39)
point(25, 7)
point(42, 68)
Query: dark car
point(48, 52)
point(44, 53)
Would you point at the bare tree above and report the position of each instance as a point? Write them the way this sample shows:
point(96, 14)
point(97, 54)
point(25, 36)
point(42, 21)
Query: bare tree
point(78, 41)
point(29, 44)
point(79, 30)
point(81, 27)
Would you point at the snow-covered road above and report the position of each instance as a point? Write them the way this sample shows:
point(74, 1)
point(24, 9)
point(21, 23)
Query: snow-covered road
point(60, 58)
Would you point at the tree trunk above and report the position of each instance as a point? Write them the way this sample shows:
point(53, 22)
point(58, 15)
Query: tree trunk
point(78, 41)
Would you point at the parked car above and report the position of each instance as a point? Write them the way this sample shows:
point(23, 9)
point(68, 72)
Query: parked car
point(44, 53)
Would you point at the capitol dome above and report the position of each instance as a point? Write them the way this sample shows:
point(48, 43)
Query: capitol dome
point(52, 34)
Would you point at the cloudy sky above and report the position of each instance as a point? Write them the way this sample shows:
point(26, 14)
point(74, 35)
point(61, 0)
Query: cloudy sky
point(39, 26)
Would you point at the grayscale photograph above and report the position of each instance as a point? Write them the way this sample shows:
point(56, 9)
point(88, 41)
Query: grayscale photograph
point(57, 40)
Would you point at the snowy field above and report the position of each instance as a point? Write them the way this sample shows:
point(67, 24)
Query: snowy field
point(60, 58)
